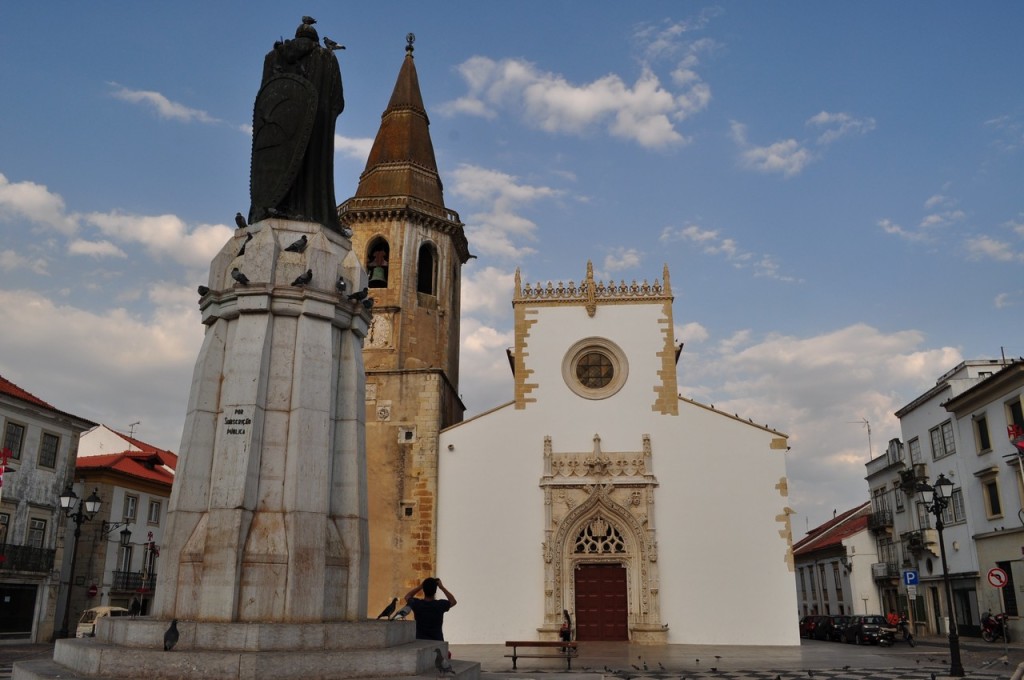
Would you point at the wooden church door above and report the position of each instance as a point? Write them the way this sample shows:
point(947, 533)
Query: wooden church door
point(601, 602)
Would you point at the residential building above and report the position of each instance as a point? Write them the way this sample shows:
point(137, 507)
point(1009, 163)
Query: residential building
point(647, 516)
point(934, 442)
point(41, 442)
point(833, 566)
point(119, 548)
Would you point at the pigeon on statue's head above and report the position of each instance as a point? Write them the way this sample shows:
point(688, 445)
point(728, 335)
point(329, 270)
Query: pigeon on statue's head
point(171, 636)
point(389, 609)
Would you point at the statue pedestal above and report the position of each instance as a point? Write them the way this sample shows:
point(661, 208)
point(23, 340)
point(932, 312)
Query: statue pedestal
point(133, 648)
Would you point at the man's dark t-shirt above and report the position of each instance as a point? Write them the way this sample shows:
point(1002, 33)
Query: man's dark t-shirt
point(429, 617)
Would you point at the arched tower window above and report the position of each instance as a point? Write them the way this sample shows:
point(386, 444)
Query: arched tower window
point(377, 255)
point(598, 537)
point(426, 270)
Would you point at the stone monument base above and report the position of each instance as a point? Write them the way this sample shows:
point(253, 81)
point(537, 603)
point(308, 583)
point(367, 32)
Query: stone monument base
point(133, 648)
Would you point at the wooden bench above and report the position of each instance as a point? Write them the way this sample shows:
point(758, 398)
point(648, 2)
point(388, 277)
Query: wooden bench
point(560, 649)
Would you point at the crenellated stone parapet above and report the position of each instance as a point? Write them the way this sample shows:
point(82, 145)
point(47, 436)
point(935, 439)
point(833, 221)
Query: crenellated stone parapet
point(591, 292)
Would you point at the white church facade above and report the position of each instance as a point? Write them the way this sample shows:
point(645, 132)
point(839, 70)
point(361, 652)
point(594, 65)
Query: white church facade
point(599, 490)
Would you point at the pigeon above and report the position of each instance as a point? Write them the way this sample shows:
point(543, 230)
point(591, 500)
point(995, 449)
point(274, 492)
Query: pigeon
point(303, 279)
point(340, 284)
point(389, 610)
point(171, 636)
point(443, 665)
point(660, 667)
point(331, 45)
point(309, 21)
point(240, 221)
point(298, 246)
point(239, 276)
point(203, 290)
point(635, 667)
point(368, 303)
point(241, 251)
point(346, 232)
point(402, 613)
point(361, 295)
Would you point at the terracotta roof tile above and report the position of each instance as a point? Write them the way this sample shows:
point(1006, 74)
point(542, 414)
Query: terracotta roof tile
point(833, 532)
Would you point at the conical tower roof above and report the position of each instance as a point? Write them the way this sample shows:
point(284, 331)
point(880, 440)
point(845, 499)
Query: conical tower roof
point(401, 162)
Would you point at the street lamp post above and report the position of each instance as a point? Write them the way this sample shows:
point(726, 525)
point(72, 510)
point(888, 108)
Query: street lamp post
point(941, 492)
point(85, 510)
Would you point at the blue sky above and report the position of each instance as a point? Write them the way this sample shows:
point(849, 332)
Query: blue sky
point(835, 187)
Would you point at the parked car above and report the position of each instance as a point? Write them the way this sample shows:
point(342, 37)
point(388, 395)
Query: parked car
point(865, 630)
point(809, 625)
point(87, 624)
point(831, 627)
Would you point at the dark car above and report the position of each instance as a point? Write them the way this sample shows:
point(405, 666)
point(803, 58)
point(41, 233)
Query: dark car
point(830, 627)
point(865, 630)
point(809, 625)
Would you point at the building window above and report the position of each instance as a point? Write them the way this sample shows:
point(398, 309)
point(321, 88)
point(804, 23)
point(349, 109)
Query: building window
point(915, 450)
point(1009, 592)
point(803, 585)
point(426, 270)
point(954, 512)
point(131, 507)
point(377, 255)
point(599, 537)
point(993, 508)
point(5, 519)
point(154, 512)
point(899, 499)
point(942, 440)
point(36, 532)
point(1014, 413)
point(838, 581)
point(14, 436)
point(981, 438)
point(48, 450)
point(595, 368)
point(124, 558)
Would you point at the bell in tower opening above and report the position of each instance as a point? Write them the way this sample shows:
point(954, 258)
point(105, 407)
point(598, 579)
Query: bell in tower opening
point(377, 265)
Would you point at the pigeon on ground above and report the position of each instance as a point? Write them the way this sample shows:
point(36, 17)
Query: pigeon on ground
point(360, 295)
point(298, 246)
point(341, 285)
point(239, 276)
point(368, 303)
point(402, 613)
point(303, 279)
point(171, 636)
point(202, 290)
point(240, 221)
point(331, 45)
point(389, 610)
point(241, 251)
point(443, 665)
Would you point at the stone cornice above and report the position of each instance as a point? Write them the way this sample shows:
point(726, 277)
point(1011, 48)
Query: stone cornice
point(591, 293)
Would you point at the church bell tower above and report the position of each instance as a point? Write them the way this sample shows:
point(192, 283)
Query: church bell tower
point(413, 249)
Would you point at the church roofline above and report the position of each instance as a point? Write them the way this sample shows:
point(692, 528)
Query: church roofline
point(734, 416)
point(591, 293)
point(479, 415)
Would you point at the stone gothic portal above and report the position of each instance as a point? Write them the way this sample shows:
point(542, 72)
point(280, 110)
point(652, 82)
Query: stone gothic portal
point(600, 548)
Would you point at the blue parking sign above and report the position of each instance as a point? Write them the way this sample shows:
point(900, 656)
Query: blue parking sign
point(910, 577)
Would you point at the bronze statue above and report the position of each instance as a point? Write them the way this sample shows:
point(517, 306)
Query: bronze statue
point(300, 98)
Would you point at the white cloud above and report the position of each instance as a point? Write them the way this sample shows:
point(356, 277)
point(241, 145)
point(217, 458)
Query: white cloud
point(691, 333)
point(487, 291)
point(35, 203)
point(787, 157)
point(838, 125)
point(988, 248)
point(621, 258)
point(642, 112)
point(165, 236)
point(95, 248)
point(711, 242)
point(11, 260)
point(353, 147)
point(115, 352)
point(493, 229)
point(164, 107)
point(890, 227)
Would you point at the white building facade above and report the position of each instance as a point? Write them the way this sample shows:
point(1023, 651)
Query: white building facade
point(600, 491)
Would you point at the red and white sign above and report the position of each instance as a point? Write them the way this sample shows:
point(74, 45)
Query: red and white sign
point(997, 577)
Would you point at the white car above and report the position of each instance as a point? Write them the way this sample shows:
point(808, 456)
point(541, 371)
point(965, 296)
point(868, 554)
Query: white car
point(87, 624)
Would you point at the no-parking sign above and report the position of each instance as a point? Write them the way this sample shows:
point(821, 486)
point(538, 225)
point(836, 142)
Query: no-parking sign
point(997, 577)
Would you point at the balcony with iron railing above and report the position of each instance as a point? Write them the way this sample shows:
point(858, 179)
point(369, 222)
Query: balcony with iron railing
point(26, 558)
point(884, 571)
point(880, 521)
point(132, 581)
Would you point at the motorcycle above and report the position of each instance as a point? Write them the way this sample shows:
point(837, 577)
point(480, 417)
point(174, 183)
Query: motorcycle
point(888, 635)
point(995, 627)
